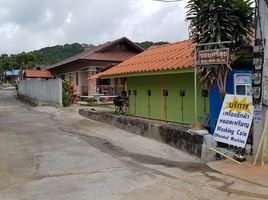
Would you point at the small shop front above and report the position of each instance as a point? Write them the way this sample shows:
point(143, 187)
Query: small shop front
point(239, 83)
point(167, 97)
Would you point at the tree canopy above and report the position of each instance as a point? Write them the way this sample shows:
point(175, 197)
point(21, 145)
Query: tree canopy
point(44, 56)
point(221, 20)
point(148, 44)
point(50, 55)
point(217, 21)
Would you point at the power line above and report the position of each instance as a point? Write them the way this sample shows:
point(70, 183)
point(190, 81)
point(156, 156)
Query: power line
point(168, 0)
point(266, 1)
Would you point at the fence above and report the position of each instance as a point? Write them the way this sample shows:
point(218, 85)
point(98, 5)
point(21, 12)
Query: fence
point(41, 91)
point(110, 89)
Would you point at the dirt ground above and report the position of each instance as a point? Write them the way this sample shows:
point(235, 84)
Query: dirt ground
point(51, 153)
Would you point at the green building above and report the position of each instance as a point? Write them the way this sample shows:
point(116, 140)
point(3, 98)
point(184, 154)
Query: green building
point(160, 83)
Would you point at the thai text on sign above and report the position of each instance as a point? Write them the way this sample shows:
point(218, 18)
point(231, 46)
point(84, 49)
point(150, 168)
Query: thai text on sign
point(235, 120)
point(213, 56)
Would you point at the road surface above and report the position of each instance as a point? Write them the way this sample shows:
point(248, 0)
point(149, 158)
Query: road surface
point(54, 154)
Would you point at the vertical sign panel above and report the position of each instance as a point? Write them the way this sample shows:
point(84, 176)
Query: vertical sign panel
point(265, 82)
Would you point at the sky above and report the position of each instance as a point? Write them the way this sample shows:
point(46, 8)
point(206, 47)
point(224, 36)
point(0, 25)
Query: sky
point(27, 25)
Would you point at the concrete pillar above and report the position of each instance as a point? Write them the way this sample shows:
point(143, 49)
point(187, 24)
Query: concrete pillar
point(91, 82)
point(259, 119)
point(78, 87)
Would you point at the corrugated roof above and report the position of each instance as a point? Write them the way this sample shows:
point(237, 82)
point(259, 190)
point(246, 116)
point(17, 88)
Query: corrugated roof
point(166, 57)
point(32, 73)
point(14, 72)
point(101, 52)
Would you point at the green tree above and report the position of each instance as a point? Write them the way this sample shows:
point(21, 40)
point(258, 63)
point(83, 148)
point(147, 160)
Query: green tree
point(25, 60)
point(216, 21)
point(54, 54)
point(148, 44)
point(66, 92)
point(7, 63)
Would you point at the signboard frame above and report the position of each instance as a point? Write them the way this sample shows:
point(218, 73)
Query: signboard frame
point(213, 57)
point(235, 120)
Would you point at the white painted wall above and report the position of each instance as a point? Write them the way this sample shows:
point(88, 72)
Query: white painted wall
point(42, 91)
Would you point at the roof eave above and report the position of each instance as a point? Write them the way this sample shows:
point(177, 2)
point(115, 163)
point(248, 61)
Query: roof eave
point(140, 49)
point(150, 73)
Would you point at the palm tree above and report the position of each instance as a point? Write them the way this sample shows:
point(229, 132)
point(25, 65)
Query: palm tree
point(216, 21)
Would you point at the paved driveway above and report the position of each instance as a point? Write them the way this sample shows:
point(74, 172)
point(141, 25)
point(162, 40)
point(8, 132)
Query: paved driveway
point(55, 154)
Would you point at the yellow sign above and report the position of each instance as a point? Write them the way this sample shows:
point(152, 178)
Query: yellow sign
point(238, 106)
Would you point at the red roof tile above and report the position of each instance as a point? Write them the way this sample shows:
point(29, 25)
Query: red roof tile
point(166, 57)
point(32, 73)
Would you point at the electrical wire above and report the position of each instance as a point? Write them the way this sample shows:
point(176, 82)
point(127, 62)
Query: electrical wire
point(266, 1)
point(168, 0)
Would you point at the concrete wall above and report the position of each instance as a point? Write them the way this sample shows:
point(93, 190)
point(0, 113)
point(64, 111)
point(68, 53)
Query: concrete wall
point(195, 143)
point(41, 91)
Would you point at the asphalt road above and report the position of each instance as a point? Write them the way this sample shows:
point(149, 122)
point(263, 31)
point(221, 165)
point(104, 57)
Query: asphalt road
point(54, 154)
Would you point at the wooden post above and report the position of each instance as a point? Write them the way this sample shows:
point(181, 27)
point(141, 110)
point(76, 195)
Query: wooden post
point(228, 157)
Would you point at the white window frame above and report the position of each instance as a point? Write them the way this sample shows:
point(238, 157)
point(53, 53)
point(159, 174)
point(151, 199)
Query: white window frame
point(246, 85)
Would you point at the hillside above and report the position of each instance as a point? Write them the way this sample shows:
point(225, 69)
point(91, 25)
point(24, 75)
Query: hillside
point(51, 55)
point(148, 44)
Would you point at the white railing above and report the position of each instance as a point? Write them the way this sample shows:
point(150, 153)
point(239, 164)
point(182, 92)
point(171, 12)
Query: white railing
point(110, 89)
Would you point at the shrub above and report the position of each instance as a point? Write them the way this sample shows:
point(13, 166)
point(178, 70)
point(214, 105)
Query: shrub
point(66, 92)
point(92, 101)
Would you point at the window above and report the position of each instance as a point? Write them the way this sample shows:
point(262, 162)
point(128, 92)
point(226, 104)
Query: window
point(240, 89)
point(243, 84)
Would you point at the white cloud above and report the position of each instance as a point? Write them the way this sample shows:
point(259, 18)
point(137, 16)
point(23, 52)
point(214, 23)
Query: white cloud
point(8, 31)
point(32, 24)
point(69, 18)
point(47, 15)
point(147, 7)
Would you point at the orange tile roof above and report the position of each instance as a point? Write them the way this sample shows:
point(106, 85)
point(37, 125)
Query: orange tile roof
point(172, 56)
point(32, 73)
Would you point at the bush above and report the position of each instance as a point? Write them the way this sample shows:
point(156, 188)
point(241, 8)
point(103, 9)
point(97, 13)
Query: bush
point(66, 92)
point(92, 101)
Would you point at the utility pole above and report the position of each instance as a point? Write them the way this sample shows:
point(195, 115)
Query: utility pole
point(260, 92)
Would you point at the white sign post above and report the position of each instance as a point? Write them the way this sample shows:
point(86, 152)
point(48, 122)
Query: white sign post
point(234, 120)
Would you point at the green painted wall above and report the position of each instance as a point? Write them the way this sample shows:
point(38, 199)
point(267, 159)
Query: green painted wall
point(142, 104)
point(169, 108)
